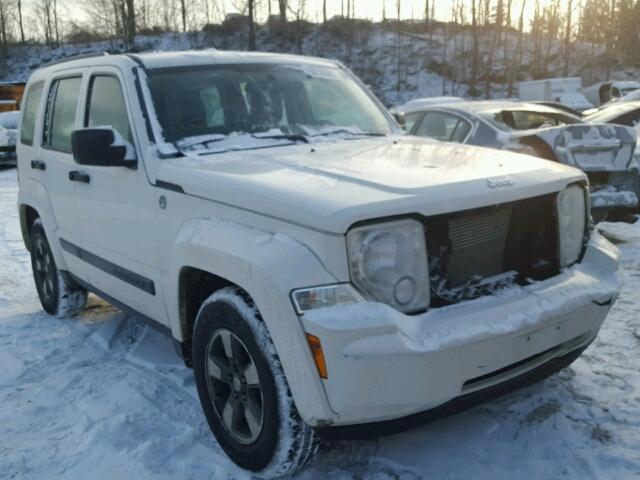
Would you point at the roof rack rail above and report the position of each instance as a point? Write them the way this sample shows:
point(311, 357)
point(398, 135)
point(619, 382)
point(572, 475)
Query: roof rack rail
point(75, 57)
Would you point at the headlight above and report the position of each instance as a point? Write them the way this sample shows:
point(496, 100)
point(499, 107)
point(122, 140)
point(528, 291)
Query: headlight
point(388, 263)
point(572, 216)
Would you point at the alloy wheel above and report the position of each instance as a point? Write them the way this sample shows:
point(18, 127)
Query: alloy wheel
point(234, 386)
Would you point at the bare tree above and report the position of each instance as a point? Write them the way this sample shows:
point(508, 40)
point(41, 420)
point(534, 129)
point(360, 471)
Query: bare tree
point(5, 14)
point(20, 22)
point(251, 6)
point(567, 39)
point(475, 59)
point(283, 10)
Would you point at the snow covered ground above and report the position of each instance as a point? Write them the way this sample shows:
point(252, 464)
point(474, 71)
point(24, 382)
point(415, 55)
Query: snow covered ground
point(103, 396)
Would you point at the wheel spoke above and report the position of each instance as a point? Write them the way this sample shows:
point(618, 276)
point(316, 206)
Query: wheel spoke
point(218, 370)
point(253, 417)
point(251, 376)
point(240, 357)
point(225, 336)
point(228, 413)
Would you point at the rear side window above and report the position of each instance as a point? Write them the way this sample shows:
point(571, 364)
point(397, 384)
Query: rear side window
point(30, 113)
point(106, 106)
point(444, 127)
point(61, 113)
point(410, 120)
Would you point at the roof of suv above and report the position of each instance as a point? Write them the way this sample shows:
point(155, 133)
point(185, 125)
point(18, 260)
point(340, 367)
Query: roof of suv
point(153, 60)
point(209, 57)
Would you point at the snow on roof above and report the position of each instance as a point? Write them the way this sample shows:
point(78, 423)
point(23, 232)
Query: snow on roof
point(417, 104)
point(8, 102)
point(206, 57)
point(493, 105)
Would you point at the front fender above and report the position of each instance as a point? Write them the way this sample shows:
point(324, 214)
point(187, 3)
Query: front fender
point(267, 266)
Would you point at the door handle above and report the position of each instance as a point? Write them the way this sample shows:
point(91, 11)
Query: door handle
point(76, 176)
point(38, 165)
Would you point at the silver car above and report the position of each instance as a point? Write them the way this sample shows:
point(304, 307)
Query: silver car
point(603, 151)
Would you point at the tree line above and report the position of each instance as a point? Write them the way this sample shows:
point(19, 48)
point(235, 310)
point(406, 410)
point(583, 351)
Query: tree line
point(479, 42)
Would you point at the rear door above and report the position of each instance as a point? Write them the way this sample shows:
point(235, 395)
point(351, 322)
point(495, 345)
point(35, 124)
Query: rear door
point(118, 210)
point(52, 160)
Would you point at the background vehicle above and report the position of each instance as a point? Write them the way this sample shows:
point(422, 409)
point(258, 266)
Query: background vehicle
point(407, 113)
point(605, 92)
point(567, 91)
point(8, 135)
point(605, 153)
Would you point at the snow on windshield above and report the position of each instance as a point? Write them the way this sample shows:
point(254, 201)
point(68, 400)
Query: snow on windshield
point(246, 104)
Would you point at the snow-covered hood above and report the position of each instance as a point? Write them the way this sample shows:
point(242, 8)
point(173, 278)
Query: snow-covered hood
point(590, 147)
point(330, 186)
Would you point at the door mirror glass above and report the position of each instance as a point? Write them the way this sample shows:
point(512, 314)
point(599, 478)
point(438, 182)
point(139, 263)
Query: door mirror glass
point(102, 147)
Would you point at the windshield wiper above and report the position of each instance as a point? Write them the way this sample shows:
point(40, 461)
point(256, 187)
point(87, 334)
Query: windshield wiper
point(294, 137)
point(204, 141)
point(349, 132)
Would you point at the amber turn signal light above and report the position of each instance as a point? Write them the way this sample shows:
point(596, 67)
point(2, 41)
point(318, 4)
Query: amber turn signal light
point(318, 355)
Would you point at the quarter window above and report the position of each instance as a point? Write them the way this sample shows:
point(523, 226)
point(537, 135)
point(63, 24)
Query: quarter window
point(106, 106)
point(61, 113)
point(30, 113)
point(443, 126)
point(410, 120)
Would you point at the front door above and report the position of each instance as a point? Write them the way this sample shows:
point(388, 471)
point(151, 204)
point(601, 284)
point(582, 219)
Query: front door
point(118, 212)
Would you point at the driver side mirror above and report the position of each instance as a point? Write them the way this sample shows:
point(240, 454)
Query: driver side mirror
point(102, 147)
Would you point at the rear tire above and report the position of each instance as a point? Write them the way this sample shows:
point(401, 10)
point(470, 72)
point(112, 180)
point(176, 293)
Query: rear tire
point(243, 389)
point(58, 296)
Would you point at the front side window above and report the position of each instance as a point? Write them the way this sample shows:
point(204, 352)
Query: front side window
point(106, 106)
point(61, 113)
point(261, 101)
point(30, 113)
point(444, 127)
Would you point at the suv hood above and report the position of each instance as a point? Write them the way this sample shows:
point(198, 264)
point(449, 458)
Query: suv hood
point(331, 186)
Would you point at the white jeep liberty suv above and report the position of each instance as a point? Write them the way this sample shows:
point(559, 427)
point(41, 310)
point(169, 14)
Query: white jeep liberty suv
point(323, 274)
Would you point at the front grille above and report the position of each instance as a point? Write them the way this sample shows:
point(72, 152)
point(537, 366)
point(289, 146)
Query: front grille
point(477, 244)
point(474, 252)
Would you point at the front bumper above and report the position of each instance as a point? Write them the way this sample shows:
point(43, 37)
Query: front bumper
point(383, 365)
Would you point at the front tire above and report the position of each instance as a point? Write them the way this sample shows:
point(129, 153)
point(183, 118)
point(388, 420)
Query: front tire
point(57, 296)
point(243, 390)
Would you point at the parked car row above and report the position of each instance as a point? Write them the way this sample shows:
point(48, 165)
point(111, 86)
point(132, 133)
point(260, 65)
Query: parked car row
point(602, 145)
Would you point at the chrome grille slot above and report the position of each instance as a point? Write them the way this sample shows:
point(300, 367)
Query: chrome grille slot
point(477, 245)
point(476, 229)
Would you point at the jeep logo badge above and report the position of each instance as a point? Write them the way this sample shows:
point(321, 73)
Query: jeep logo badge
point(499, 182)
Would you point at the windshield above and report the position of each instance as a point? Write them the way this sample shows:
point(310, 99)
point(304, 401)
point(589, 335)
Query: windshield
point(265, 102)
